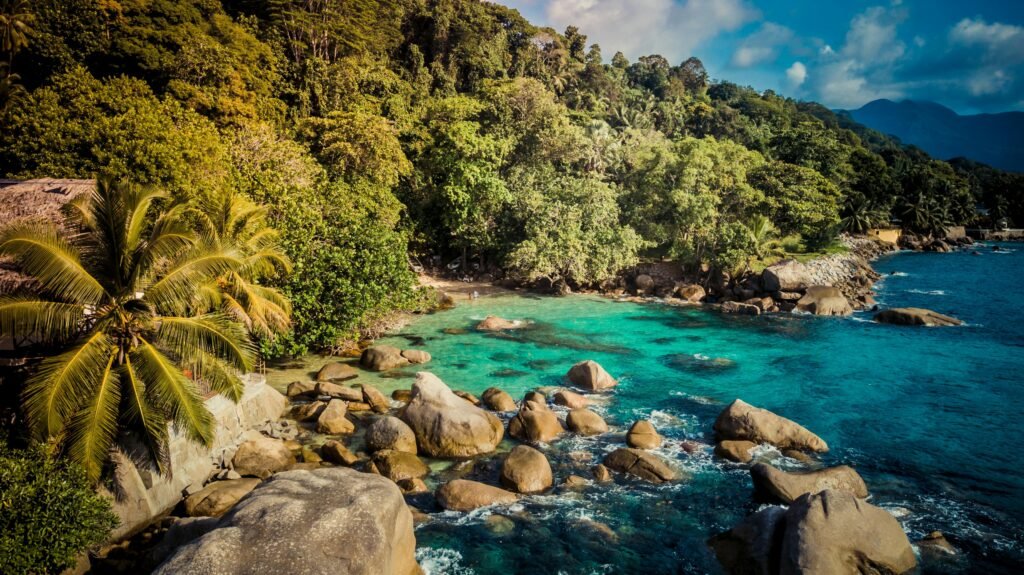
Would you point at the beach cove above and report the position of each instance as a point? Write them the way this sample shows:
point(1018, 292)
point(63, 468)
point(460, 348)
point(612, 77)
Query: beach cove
point(930, 427)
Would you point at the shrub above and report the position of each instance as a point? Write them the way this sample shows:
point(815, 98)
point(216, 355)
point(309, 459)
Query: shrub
point(49, 513)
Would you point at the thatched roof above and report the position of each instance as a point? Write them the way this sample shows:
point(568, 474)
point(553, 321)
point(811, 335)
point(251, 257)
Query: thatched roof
point(33, 200)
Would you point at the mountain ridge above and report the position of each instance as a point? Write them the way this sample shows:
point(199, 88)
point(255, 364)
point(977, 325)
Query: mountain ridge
point(996, 139)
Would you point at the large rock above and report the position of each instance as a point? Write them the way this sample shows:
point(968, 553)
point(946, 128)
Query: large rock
point(570, 399)
point(642, 435)
point(742, 421)
point(335, 452)
point(498, 400)
point(585, 422)
point(591, 376)
point(915, 316)
point(644, 282)
point(376, 400)
point(447, 425)
point(640, 463)
point(382, 358)
point(333, 420)
point(262, 457)
point(465, 495)
point(774, 485)
point(399, 465)
point(787, 275)
point(335, 391)
point(216, 498)
point(301, 389)
point(740, 308)
point(535, 422)
point(332, 521)
point(493, 323)
point(416, 356)
point(827, 533)
point(824, 300)
point(526, 470)
point(833, 532)
point(692, 293)
point(732, 450)
point(337, 371)
point(390, 433)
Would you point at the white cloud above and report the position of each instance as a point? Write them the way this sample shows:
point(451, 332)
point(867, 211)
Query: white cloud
point(1003, 43)
point(919, 41)
point(640, 27)
point(762, 46)
point(797, 74)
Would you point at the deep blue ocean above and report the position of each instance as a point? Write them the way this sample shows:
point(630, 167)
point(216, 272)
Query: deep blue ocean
point(931, 417)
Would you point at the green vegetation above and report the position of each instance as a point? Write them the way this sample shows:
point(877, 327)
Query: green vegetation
point(49, 514)
point(451, 131)
point(123, 293)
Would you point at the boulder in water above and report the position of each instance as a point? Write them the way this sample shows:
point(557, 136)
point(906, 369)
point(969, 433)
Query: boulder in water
point(324, 522)
point(416, 356)
point(692, 293)
point(399, 465)
point(640, 463)
point(526, 470)
point(389, 432)
point(642, 435)
point(738, 308)
point(494, 323)
point(570, 399)
point(591, 376)
point(377, 401)
point(774, 485)
point(535, 422)
point(916, 316)
point(732, 450)
point(335, 391)
point(465, 495)
point(498, 400)
point(335, 452)
point(742, 421)
point(333, 420)
point(585, 422)
point(445, 424)
point(337, 371)
point(824, 300)
point(382, 358)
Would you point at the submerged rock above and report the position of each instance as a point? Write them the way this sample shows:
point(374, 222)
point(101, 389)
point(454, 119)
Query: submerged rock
point(498, 400)
point(742, 421)
point(591, 376)
point(916, 316)
point(774, 485)
point(697, 362)
point(640, 463)
point(494, 323)
point(585, 422)
point(333, 521)
point(382, 358)
point(642, 435)
point(535, 422)
point(262, 457)
point(526, 470)
point(447, 425)
point(465, 495)
point(416, 356)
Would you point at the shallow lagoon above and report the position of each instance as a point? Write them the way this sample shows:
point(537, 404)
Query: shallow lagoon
point(930, 417)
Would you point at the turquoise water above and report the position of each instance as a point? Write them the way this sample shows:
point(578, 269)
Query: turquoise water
point(932, 418)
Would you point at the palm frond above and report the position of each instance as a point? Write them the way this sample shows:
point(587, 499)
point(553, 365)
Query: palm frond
point(42, 253)
point(212, 333)
point(268, 310)
point(138, 202)
point(174, 393)
point(218, 375)
point(138, 410)
point(177, 288)
point(92, 430)
point(62, 384)
point(43, 321)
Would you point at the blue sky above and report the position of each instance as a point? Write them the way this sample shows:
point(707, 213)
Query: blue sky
point(966, 55)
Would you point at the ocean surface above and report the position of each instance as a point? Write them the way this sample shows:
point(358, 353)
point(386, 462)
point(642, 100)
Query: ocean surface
point(933, 418)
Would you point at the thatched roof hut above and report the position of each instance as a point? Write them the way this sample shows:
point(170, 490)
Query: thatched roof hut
point(33, 200)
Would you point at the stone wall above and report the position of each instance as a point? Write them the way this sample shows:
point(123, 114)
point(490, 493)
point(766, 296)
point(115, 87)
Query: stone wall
point(140, 493)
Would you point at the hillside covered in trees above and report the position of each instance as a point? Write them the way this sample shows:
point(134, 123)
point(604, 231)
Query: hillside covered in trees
point(449, 132)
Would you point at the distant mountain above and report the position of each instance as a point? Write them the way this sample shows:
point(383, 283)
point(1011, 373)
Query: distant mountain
point(994, 139)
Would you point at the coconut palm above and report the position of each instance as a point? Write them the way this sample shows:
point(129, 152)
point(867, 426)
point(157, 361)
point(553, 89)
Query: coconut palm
point(763, 237)
point(10, 87)
point(861, 215)
point(230, 221)
point(15, 25)
point(117, 290)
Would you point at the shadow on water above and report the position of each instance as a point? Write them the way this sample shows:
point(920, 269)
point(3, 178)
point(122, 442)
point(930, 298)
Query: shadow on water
point(508, 372)
point(547, 335)
point(541, 364)
point(688, 320)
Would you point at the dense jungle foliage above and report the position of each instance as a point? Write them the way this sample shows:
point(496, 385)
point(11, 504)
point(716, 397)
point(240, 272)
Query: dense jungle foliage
point(446, 133)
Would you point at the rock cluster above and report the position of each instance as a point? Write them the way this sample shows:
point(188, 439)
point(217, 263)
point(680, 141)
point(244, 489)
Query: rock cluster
point(446, 425)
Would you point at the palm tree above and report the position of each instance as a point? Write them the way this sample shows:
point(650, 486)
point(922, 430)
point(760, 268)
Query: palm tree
point(10, 87)
point(762, 235)
point(861, 215)
point(117, 295)
point(231, 221)
point(15, 26)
